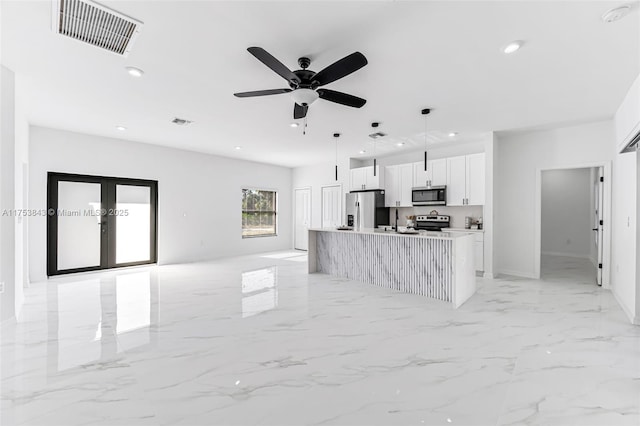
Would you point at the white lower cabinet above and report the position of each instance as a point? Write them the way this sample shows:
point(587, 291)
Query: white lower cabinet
point(478, 249)
point(479, 252)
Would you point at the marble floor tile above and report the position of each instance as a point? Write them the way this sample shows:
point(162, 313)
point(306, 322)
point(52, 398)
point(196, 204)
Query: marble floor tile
point(255, 340)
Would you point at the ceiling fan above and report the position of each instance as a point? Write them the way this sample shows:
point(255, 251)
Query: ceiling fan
point(304, 84)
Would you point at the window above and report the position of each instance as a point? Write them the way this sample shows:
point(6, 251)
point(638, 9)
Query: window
point(258, 213)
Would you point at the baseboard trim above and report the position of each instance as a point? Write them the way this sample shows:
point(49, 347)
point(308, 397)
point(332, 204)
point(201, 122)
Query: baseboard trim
point(572, 255)
point(633, 319)
point(516, 273)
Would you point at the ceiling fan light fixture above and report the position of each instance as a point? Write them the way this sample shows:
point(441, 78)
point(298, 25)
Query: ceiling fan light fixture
point(304, 96)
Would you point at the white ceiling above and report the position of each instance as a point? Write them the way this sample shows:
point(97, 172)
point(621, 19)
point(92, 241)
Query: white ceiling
point(444, 55)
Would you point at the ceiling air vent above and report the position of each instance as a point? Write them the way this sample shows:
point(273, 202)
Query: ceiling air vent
point(95, 24)
point(181, 121)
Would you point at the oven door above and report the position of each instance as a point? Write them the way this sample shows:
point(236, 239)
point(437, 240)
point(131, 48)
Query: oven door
point(434, 196)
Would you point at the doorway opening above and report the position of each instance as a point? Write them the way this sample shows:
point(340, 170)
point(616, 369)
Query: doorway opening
point(97, 222)
point(332, 206)
point(572, 219)
point(302, 218)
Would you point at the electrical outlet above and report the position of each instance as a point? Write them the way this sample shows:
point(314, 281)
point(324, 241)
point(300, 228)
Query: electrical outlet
point(1, 287)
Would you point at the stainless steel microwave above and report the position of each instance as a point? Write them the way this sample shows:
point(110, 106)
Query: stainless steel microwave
point(429, 196)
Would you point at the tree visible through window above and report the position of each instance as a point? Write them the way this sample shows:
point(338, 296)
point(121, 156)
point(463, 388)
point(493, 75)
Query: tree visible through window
point(258, 213)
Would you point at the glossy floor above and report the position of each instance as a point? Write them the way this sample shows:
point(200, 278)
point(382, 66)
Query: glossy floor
point(257, 341)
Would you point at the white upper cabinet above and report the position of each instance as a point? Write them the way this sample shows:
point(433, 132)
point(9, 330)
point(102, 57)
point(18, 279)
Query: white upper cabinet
point(456, 181)
point(398, 184)
point(362, 178)
point(391, 186)
point(421, 177)
point(436, 173)
point(465, 180)
point(371, 181)
point(357, 179)
point(439, 172)
point(475, 179)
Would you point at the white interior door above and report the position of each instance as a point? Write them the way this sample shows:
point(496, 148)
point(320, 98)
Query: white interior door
point(302, 218)
point(599, 197)
point(331, 206)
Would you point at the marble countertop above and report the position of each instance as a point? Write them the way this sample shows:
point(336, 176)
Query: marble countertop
point(422, 234)
point(463, 230)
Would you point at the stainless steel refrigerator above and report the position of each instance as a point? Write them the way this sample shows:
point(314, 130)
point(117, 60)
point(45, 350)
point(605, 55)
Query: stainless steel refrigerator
point(365, 209)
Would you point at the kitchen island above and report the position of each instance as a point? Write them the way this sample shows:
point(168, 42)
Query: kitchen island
point(438, 265)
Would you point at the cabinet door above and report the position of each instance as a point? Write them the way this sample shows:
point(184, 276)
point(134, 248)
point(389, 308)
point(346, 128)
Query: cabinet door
point(420, 177)
point(371, 181)
point(479, 255)
point(391, 186)
point(438, 172)
point(475, 179)
point(406, 183)
point(456, 180)
point(357, 178)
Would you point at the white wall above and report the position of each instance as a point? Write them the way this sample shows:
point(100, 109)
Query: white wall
point(519, 158)
point(199, 195)
point(566, 212)
point(439, 151)
point(624, 242)
point(9, 298)
point(319, 175)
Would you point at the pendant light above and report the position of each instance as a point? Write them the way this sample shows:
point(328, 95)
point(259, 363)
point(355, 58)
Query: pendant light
point(375, 136)
point(336, 136)
point(425, 112)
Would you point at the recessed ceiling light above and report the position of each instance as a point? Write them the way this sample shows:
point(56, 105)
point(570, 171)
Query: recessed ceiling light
point(453, 134)
point(294, 124)
point(135, 72)
point(400, 144)
point(238, 147)
point(121, 128)
point(616, 13)
point(362, 151)
point(512, 47)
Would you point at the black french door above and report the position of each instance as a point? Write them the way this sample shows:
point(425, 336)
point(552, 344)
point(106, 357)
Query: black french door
point(98, 222)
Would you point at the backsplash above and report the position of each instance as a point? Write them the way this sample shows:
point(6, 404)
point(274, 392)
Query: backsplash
point(457, 213)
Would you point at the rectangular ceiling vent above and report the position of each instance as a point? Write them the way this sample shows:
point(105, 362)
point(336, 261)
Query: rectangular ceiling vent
point(95, 24)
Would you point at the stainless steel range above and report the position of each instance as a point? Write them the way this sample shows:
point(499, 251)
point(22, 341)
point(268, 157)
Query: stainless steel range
point(432, 222)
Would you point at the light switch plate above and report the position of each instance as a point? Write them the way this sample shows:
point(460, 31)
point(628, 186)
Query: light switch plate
point(1, 287)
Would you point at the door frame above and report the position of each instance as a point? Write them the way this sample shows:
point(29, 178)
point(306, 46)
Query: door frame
point(301, 188)
point(606, 220)
point(332, 185)
point(108, 197)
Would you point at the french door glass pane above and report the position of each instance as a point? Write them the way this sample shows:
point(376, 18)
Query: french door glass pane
point(133, 223)
point(78, 225)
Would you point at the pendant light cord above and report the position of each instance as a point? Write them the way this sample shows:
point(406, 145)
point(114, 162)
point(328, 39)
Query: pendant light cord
point(425, 112)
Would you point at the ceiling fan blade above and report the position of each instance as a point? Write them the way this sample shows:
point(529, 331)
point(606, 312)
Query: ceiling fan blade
point(341, 98)
point(299, 111)
point(261, 93)
point(341, 68)
point(277, 66)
